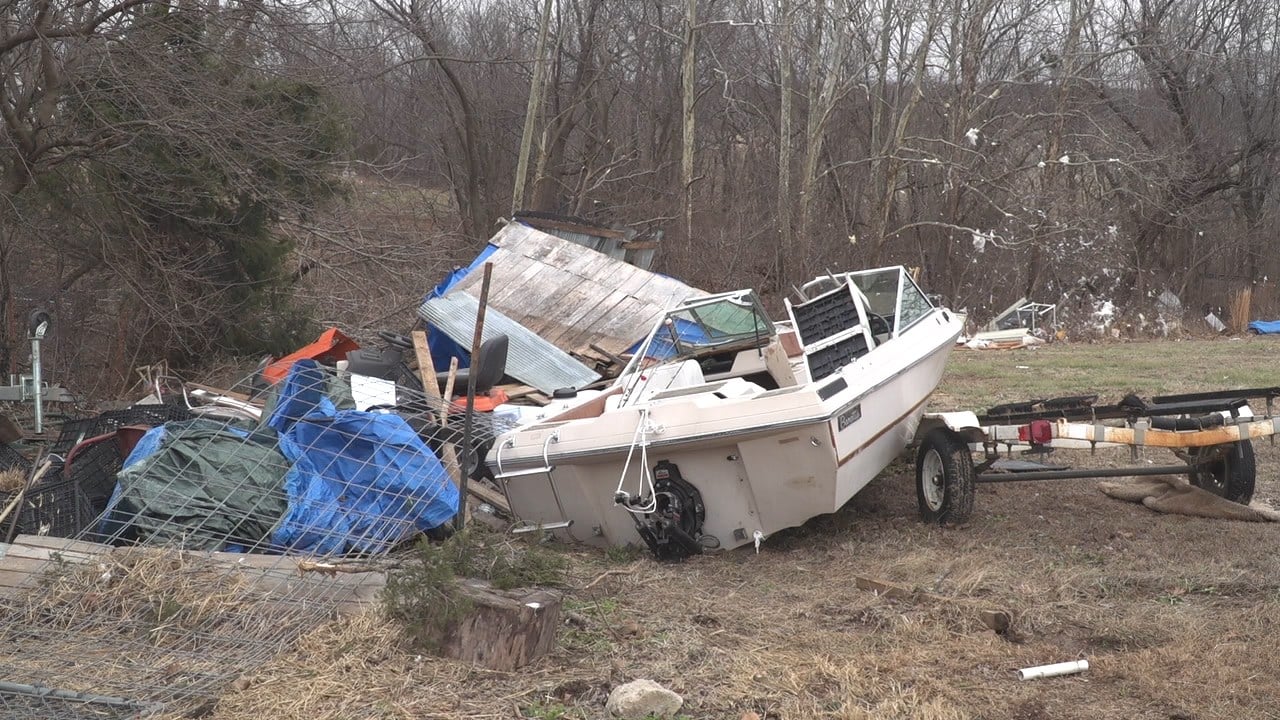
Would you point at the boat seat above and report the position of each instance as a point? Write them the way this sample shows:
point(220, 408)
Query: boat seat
point(662, 378)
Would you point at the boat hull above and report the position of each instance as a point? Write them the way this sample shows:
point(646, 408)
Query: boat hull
point(761, 464)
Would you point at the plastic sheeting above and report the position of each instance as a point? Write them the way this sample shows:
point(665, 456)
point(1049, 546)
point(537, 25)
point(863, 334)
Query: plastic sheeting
point(443, 348)
point(663, 346)
point(1265, 327)
point(199, 484)
point(314, 479)
point(360, 482)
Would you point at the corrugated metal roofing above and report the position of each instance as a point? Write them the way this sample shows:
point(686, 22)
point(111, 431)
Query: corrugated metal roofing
point(530, 359)
point(573, 296)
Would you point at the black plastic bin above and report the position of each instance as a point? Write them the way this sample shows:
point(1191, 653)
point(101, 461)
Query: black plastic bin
point(55, 506)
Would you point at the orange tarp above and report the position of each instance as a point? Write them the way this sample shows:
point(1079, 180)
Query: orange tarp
point(331, 346)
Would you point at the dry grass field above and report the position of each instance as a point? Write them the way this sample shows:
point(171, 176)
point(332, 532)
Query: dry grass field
point(1178, 617)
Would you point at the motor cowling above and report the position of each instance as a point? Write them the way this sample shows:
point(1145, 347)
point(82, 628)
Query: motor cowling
point(673, 529)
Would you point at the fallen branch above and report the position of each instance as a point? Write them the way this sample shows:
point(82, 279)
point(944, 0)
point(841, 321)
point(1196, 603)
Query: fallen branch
point(605, 574)
point(332, 568)
point(999, 621)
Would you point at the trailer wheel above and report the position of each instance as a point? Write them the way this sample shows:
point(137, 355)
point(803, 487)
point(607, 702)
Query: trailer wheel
point(944, 478)
point(1231, 474)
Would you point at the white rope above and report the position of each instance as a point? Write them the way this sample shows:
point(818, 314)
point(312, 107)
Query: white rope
point(639, 439)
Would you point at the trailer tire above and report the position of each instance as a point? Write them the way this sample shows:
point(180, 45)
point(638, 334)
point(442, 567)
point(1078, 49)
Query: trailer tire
point(1231, 476)
point(944, 478)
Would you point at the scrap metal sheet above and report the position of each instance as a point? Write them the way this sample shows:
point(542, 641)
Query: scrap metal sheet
point(530, 359)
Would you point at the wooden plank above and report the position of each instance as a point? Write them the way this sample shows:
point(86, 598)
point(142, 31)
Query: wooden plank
point(22, 564)
point(591, 325)
point(242, 397)
point(13, 581)
point(551, 304)
point(486, 494)
point(449, 389)
point(364, 596)
point(66, 546)
point(581, 310)
point(629, 322)
point(640, 245)
point(427, 371)
point(511, 284)
point(19, 552)
point(886, 589)
point(30, 566)
point(544, 223)
point(57, 543)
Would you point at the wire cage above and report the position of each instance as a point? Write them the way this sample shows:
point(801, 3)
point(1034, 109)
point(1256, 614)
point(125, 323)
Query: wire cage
point(75, 431)
point(12, 459)
point(191, 535)
point(55, 507)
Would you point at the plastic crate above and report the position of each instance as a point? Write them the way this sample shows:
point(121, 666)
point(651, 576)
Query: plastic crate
point(825, 316)
point(75, 431)
point(72, 432)
point(93, 465)
point(55, 507)
point(10, 458)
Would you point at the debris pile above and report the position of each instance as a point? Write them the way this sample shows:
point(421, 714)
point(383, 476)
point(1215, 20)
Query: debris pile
point(151, 554)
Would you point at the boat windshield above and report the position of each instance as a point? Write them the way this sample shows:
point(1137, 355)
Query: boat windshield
point(712, 323)
point(890, 293)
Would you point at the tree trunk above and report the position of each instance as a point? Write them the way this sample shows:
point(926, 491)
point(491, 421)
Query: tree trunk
point(532, 109)
point(786, 240)
point(505, 629)
point(688, 97)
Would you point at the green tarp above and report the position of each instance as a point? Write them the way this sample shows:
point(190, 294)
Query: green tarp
point(203, 485)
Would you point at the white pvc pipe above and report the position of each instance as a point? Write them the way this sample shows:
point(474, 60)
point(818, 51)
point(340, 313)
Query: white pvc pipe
point(1062, 668)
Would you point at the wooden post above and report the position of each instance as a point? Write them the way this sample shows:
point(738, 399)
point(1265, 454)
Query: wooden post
point(448, 389)
point(427, 370)
point(468, 420)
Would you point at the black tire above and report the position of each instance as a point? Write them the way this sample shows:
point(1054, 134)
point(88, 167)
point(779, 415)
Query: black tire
point(944, 478)
point(1231, 474)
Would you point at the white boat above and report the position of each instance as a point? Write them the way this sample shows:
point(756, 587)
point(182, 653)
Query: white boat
point(726, 428)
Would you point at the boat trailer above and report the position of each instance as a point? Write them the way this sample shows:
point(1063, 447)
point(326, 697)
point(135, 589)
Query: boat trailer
point(1210, 433)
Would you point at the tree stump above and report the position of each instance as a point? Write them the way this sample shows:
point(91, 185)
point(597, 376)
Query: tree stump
point(504, 629)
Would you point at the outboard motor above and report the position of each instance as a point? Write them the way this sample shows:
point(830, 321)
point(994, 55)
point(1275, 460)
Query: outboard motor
point(673, 530)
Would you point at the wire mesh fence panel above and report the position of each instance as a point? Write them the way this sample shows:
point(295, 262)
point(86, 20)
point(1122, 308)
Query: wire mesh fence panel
point(206, 538)
point(30, 702)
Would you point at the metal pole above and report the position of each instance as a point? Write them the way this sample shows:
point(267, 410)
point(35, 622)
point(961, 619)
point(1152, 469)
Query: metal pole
point(36, 335)
point(1084, 473)
point(40, 691)
point(468, 420)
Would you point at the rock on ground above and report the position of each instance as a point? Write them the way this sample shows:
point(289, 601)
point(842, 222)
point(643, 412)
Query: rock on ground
point(643, 698)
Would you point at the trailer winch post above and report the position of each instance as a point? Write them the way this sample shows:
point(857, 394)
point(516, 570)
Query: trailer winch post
point(38, 326)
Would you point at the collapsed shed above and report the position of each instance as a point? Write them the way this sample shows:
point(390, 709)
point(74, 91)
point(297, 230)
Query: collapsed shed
point(558, 301)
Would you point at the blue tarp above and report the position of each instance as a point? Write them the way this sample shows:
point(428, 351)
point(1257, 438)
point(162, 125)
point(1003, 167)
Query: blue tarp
point(443, 348)
point(663, 346)
point(360, 482)
point(314, 479)
point(1265, 327)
